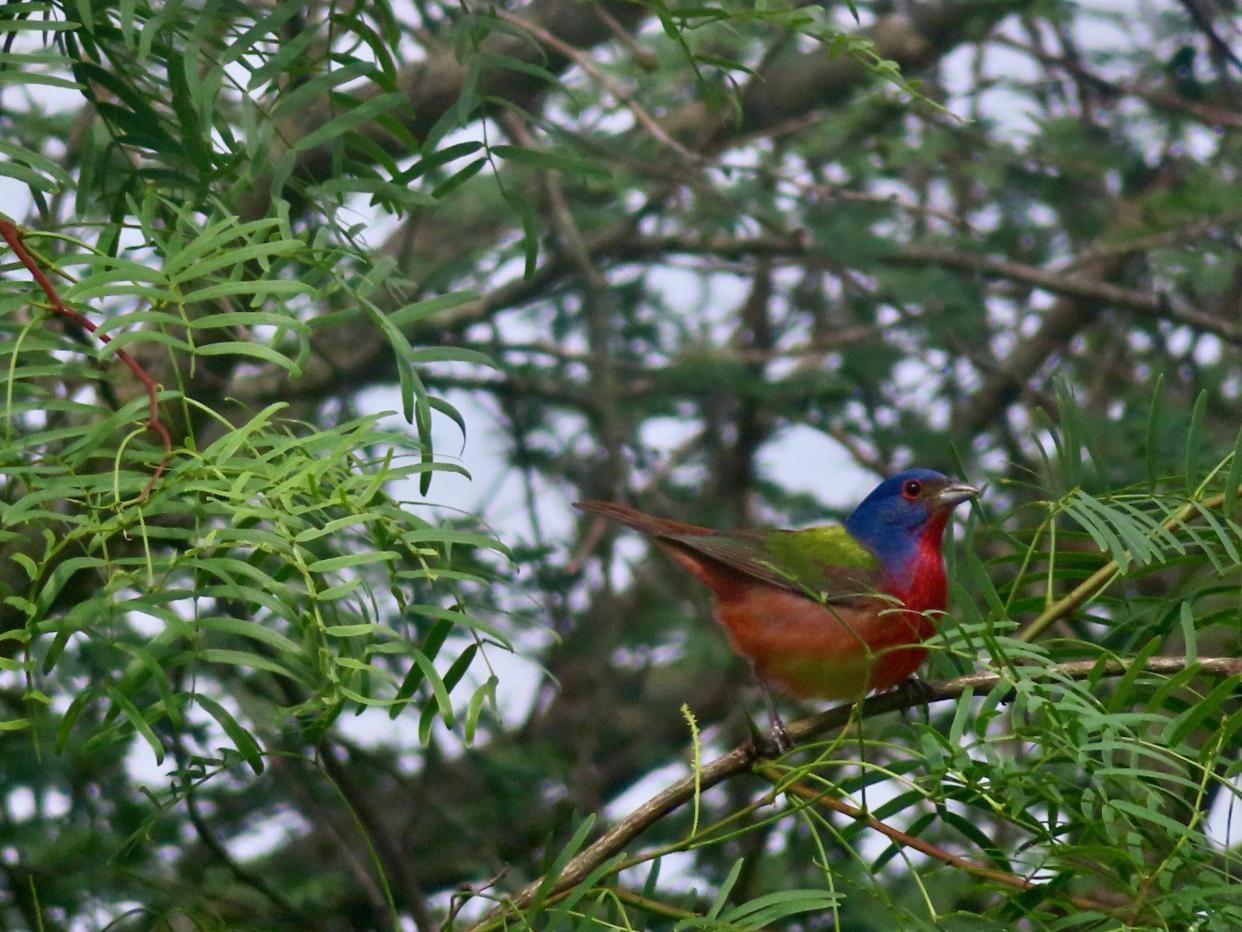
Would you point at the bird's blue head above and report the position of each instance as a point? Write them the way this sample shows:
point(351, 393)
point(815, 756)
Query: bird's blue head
point(903, 510)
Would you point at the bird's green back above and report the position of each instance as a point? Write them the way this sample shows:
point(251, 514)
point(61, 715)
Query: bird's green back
point(821, 560)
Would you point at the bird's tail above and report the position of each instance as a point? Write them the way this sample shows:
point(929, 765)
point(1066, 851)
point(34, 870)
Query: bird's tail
point(639, 521)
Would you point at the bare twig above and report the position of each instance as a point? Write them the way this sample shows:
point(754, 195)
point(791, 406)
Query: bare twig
point(1073, 286)
point(1189, 231)
point(597, 301)
point(1054, 281)
point(1208, 28)
point(583, 61)
point(240, 873)
point(396, 863)
point(818, 345)
point(905, 839)
point(834, 193)
point(860, 453)
point(647, 60)
point(1162, 100)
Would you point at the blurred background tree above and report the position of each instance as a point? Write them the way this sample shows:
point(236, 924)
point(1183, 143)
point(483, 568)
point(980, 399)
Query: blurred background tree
point(729, 262)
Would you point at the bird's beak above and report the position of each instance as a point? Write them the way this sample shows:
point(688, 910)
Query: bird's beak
point(954, 494)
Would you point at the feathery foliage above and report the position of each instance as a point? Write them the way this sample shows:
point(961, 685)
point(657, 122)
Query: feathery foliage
point(729, 261)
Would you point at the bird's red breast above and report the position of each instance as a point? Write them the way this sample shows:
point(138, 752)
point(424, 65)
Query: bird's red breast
point(812, 650)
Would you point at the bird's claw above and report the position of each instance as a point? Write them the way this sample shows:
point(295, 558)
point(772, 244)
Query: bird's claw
point(921, 693)
point(776, 742)
point(772, 743)
point(922, 690)
point(781, 738)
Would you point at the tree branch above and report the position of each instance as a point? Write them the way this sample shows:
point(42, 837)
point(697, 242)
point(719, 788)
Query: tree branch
point(743, 758)
point(1060, 282)
point(905, 839)
point(583, 61)
point(1161, 100)
point(790, 86)
point(1108, 572)
point(434, 85)
point(1074, 286)
point(249, 878)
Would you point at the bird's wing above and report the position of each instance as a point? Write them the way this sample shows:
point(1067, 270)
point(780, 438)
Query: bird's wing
point(822, 562)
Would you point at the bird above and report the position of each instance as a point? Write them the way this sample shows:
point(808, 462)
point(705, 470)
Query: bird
point(830, 612)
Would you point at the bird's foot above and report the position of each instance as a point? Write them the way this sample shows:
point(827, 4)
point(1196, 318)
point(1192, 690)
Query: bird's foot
point(780, 737)
point(775, 742)
point(922, 693)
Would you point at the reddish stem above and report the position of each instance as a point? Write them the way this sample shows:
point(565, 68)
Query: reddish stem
point(918, 844)
point(12, 235)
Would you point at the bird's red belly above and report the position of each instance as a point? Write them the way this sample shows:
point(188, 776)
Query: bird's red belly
point(815, 651)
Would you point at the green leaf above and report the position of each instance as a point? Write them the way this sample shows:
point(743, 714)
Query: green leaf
point(553, 873)
point(1180, 728)
point(1234, 480)
point(484, 694)
point(198, 144)
point(439, 690)
point(1154, 433)
point(245, 659)
point(266, 288)
point(362, 113)
point(554, 161)
point(1193, 442)
point(447, 187)
point(243, 741)
point(430, 649)
point(722, 894)
point(130, 711)
point(264, 26)
point(329, 564)
point(410, 314)
point(252, 350)
point(773, 907)
point(255, 631)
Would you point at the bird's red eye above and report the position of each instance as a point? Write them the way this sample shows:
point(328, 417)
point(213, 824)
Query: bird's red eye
point(911, 489)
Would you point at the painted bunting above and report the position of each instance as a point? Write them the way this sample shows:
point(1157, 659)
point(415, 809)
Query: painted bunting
point(827, 612)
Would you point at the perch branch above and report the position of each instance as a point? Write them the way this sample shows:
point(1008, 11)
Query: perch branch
point(743, 758)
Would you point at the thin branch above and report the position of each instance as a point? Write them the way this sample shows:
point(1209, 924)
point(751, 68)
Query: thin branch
point(818, 345)
point(1108, 572)
point(655, 907)
point(1190, 231)
point(389, 848)
point(646, 60)
point(241, 874)
point(821, 798)
point(1162, 100)
point(1054, 281)
point(743, 758)
point(1208, 28)
point(861, 455)
point(583, 61)
point(1073, 286)
point(13, 236)
point(836, 193)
